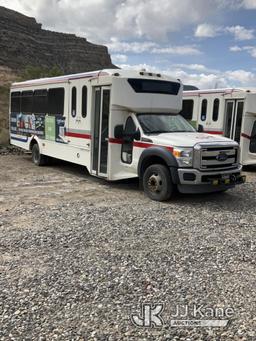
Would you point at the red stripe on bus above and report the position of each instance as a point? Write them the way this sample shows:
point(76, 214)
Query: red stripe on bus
point(214, 132)
point(114, 140)
point(78, 135)
point(139, 144)
point(148, 145)
point(246, 136)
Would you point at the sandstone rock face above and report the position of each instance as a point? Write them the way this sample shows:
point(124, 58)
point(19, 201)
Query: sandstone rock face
point(23, 43)
point(7, 76)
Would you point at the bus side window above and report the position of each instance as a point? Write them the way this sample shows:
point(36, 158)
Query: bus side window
point(15, 102)
point(73, 102)
point(40, 101)
point(215, 112)
point(187, 109)
point(56, 101)
point(204, 110)
point(27, 102)
point(84, 101)
point(252, 147)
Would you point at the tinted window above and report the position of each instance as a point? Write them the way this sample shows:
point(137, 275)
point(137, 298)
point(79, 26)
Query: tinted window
point(73, 102)
point(104, 131)
point(56, 101)
point(187, 109)
point(204, 110)
point(253, 139)
point(228, 119)
point(40, 101)
point(215, 112)
point(84, 101)
point(27, 102)
point(154, 87)
point(239, 117)
point(15, 102)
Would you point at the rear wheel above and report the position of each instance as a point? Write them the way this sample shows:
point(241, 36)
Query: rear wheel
point(37, 158)
point(157, 183)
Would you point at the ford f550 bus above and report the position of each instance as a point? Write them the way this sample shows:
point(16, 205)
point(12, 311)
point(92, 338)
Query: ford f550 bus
point(122, 124)
point(225, 112)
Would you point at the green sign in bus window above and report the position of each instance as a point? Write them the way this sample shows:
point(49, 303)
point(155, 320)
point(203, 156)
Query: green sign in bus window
point(50, 128)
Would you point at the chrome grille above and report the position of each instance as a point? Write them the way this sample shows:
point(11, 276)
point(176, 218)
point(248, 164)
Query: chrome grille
point(218, 157)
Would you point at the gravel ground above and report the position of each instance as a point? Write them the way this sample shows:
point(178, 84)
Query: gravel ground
point(11, 150)
point(79, 255)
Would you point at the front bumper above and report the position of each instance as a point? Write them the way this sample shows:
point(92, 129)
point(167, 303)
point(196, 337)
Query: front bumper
point(194, 181)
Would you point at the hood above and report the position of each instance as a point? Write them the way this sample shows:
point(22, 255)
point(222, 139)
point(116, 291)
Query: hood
point(186, 139)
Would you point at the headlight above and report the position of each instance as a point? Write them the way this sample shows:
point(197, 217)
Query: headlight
point(184, 156)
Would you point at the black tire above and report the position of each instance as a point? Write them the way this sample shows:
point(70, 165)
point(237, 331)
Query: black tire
point(157, 183)
point(37, 158)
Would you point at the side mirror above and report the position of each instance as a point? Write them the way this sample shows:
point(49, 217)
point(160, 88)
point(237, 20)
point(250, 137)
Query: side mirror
point(136, 135)
point(119, 131)
point(200, 128)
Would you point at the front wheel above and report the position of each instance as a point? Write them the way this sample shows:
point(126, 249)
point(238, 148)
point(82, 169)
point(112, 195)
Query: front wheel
point(157, 183)
point(37, 158)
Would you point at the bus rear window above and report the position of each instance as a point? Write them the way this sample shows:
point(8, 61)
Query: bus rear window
point(154, 86)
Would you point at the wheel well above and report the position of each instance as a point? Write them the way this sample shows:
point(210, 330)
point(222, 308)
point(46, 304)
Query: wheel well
point(151, 160)
point(32, 143)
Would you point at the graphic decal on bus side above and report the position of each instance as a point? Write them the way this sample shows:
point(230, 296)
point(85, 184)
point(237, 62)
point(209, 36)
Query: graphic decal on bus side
point(46, 127)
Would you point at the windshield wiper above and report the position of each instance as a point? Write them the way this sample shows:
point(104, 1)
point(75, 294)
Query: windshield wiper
point(184, 131)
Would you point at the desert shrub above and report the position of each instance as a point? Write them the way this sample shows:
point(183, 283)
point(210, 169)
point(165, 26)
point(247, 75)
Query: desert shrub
point(34, 72)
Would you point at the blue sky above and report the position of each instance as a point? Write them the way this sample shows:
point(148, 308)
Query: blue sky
point(207, 43)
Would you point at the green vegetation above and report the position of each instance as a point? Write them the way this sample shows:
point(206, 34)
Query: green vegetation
point(34, 72)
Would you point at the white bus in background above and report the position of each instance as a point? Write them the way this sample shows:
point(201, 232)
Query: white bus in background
point(122, 124)
point(225, 112)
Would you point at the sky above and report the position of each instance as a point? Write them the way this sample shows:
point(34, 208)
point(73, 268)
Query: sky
point(206, 43)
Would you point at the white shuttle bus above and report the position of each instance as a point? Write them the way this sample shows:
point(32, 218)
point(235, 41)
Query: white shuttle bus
point(225, 112)
point(122, 124)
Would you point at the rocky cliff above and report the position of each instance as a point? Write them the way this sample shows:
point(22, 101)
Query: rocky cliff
point(23, 42)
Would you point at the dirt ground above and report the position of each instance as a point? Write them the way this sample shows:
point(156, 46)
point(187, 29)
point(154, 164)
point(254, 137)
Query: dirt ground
point(22, 183)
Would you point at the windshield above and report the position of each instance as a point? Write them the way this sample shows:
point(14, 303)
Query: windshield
point(163, 123)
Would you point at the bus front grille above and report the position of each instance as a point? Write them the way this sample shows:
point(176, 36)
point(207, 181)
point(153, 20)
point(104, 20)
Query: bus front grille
point(218, 158)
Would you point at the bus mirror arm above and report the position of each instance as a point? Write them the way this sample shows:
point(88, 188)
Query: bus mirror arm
point(119, 131)
point(200, 128)
point(137, 135)
point(130, 137)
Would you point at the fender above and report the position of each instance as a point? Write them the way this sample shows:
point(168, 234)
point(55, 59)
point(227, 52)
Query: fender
point(32, 139)
point(162, 153)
